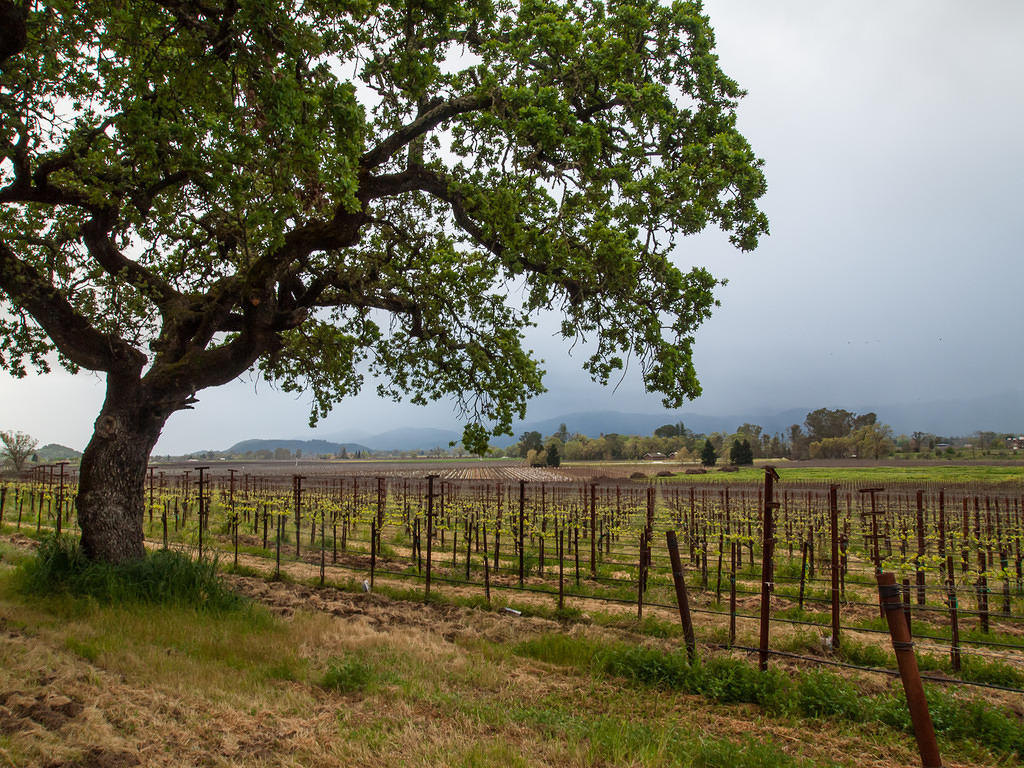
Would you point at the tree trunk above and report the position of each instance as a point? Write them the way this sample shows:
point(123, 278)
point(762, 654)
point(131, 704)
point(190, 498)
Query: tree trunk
point(111, 490)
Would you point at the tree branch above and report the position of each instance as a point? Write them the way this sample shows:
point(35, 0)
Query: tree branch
point(95, 233)
point(72, 334)
point(422, 125)
point(423, 179)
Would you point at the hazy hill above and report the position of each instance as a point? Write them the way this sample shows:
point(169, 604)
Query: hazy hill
point(999, 413)
point(308, 447)
point(57, 452)
point(413, 439)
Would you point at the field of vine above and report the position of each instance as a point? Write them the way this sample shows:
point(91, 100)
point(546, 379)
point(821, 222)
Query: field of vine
point(538, 542)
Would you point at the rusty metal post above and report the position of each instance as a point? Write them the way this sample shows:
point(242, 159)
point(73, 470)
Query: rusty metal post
point(679, 578)
point(733, 546)
point(833, 520)
point(921, 550)
point(60, 496)
point(297, 480)
point(487, 569)
point(640, 577)
point(323, 545)
point(151, 470)
point(561, 566)
point(767, 568)
point(522, 514)
point(593, 531)
point(874, 536)
point(924, 732)
point(373, 549)
point(430, 531)
point(202, 507)
point(803, 573)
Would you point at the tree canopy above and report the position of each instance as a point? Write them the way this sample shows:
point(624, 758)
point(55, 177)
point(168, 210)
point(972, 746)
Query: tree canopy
point(322, 191)
point(741, 453)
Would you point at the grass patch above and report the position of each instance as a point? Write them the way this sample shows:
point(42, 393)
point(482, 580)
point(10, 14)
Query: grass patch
point(348, 674)
point(164, 577)
point(813, 694)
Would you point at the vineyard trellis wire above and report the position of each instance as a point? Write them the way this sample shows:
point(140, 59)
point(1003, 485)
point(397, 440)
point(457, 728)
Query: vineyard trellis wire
point(956, 550)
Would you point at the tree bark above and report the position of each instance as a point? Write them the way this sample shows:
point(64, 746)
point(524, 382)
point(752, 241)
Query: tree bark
point(111, 495)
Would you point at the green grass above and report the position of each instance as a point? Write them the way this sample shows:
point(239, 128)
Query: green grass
point(348, 674)
point(161, 577)
point(813, 694)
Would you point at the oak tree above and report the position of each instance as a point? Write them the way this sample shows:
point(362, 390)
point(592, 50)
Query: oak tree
point(326, 190)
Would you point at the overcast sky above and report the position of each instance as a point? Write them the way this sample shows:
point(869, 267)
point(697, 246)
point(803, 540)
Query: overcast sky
point(893, 140)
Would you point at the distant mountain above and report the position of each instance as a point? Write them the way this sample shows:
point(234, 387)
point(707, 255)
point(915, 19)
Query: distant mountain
point(1002, 412)
point(308, 447)
point(57, 452)
point(998, 413)
point(413, 439)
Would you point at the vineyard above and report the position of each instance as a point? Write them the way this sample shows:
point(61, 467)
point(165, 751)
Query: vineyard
point(543, 542)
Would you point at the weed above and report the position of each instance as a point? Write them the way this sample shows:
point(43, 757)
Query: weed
point(864, 655)
point(824, 694)
point(348, 674)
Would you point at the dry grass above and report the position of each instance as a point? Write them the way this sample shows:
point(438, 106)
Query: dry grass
point(87, 685)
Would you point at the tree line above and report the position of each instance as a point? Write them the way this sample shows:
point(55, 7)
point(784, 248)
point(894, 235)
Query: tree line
point(826, 433)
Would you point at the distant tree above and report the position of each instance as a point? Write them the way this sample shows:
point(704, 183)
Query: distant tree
point(752, 431)
point(562, 434)
point(671, 430)
point(575, 448)
point(741, 452)
point(552, 459)
point(873, 441)
point(799, 444)
point(343, 453)
point(985, 440)
point(708, 457)
point(828, 422)
point(282, 454)
point(530, 441)
point(831, 448)
point(916, 439)
point(615, 445)
point(864, 420)
point(17, 448)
